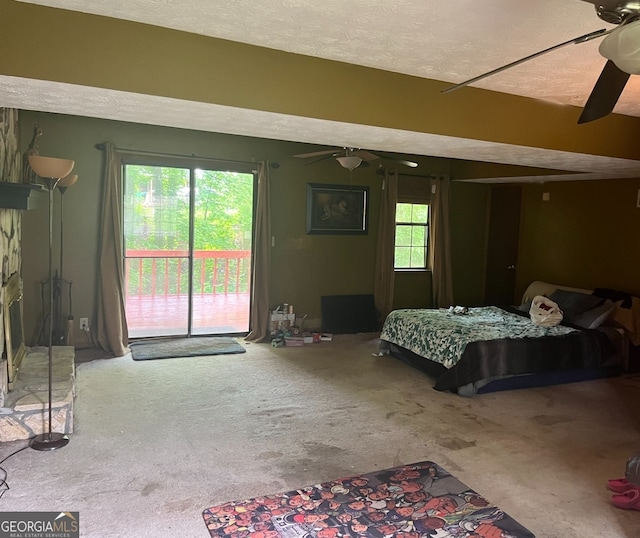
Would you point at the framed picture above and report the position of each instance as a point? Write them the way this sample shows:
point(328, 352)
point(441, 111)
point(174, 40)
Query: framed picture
point(337, 209)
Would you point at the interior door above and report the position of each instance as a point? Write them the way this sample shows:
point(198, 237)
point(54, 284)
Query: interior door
point(503, 233)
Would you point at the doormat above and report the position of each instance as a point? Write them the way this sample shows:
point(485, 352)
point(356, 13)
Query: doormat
point(184, 347)
point(419, 500)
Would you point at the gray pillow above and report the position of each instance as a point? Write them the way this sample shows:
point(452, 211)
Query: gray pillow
point(594, 317)
point(573, 303)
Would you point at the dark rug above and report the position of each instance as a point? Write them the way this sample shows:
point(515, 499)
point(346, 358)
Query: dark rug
point(416, 500)
point(144, 350)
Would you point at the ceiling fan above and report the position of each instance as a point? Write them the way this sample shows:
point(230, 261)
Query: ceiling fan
point(620, 47)
point(351, 158)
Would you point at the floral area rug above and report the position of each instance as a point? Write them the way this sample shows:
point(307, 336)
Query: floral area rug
point(412, 501)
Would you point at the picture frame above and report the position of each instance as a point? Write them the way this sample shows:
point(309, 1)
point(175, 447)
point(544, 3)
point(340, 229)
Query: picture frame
point(337, 209)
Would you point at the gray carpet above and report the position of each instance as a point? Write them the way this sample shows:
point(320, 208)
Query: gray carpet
point(144, 350)
point(157, 442)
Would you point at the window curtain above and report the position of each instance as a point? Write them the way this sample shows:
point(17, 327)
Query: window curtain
point(440, 243)
point(259, 324)
point(384, 271)
point(111, 332)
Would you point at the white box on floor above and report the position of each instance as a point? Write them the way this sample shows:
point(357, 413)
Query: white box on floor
point(281, 321)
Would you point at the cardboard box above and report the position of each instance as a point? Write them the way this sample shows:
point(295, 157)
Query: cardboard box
point(293, 341)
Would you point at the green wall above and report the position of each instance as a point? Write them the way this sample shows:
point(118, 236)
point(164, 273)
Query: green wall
point(585, 236)
point(304, 267)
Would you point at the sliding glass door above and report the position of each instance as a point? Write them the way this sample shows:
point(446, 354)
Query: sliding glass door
point(221, 258)
point(187, 238)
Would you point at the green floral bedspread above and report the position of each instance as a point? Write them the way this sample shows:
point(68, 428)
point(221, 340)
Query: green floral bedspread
point(441, 336)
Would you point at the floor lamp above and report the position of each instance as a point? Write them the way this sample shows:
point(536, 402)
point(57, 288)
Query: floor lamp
point(51, 171)
point(63, 185)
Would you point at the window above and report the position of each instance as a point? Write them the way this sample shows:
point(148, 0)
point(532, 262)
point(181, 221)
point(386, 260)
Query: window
point(412, 234)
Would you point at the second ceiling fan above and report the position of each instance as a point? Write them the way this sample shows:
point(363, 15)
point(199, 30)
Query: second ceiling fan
point(351, 158)
point(620, 47)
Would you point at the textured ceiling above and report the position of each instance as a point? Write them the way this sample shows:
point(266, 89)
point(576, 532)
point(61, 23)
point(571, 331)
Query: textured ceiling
point(449, 41)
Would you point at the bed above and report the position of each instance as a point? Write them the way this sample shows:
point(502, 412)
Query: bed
point(486, 349)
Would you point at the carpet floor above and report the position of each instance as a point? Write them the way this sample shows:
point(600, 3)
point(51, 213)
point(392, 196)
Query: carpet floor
point(157, 442)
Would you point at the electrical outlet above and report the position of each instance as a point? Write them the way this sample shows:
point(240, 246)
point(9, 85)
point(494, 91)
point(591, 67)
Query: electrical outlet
point(84, 324)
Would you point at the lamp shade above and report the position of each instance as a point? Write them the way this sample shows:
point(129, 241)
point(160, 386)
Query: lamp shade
point(68, 181)
point(50, 167)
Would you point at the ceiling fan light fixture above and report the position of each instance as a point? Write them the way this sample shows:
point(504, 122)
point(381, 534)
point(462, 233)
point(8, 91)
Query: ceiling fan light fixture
point(349, 162)
point(622, 47)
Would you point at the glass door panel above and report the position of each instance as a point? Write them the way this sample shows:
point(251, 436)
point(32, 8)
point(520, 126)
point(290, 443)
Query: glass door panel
point(223, 222)
point(157, 243)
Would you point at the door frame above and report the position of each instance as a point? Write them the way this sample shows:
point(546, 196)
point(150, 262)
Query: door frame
point(192, 163)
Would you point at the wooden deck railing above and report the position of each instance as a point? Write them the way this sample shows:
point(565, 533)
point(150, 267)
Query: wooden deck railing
point(166, 272)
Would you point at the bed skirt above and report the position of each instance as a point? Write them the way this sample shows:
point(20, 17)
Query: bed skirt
point(501, 383)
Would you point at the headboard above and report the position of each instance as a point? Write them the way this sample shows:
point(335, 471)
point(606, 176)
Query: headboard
point(624, 323)
point(538, 287)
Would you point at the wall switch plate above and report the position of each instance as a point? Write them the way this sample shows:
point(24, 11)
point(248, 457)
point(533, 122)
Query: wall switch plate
point(84, 324)
point(546, 196)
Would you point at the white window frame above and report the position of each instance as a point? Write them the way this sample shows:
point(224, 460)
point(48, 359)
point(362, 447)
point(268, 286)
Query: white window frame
point(412, 224)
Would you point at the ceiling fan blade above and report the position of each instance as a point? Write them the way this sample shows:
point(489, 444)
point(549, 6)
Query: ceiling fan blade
point(318, 153)
point(410, 164)
point(321, 158)
point(365, 155)
point(605, 93)
point(388, 157)
point(581, 39)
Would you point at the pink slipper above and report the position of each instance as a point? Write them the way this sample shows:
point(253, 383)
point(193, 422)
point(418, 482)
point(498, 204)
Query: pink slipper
point(628, 501)
point(621, 485)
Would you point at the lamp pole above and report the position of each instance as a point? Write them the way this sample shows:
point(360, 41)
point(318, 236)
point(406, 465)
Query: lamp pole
point(50, 440)
point(50, 170)
point(64, 336)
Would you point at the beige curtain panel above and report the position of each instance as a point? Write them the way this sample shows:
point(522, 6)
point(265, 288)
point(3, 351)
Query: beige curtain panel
point(384, 271)
point(440, 243)
point(259, 324)
point(111, 332)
